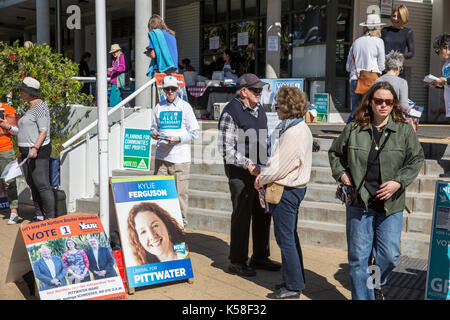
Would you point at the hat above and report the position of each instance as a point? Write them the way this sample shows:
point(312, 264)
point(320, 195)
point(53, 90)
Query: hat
point(31, 86)
point(115, 47)
point(249, 80)
point(373, 21)
point(170, 81)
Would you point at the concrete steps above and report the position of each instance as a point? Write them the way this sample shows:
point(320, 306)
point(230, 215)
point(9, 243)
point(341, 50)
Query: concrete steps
point(321, 216)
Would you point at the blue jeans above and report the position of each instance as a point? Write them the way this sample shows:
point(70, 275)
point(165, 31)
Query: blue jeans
point(356, 98)
point(367, 231)
point(285, 217)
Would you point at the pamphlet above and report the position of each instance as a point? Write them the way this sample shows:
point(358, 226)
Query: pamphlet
point(430, 78)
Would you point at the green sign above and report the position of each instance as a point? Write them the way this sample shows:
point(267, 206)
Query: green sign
point(438, 277)
point(136, 149)
point(321, 103)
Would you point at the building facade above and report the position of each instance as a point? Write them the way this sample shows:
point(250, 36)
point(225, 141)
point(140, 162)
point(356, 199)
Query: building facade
point(307, 39)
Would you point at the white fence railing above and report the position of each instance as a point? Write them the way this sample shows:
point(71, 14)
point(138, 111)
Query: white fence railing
point(114, 109)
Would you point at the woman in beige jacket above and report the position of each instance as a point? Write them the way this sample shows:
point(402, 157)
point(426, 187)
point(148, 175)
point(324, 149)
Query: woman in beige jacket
point(289, 165)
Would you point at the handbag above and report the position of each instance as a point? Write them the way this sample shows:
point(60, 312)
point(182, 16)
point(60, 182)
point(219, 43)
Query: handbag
point(366, 79)
point(274, 191)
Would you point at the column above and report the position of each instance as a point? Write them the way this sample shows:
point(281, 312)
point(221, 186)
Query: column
point(143, 12)
point(43, 22)
point(273, 30)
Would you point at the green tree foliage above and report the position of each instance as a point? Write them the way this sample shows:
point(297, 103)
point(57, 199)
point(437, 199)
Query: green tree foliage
point(52, 70)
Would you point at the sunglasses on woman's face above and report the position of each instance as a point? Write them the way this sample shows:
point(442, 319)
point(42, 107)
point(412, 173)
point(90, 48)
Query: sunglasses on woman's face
point(379, 102)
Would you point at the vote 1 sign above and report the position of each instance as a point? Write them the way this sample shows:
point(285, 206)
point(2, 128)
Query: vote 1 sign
point(72, 259)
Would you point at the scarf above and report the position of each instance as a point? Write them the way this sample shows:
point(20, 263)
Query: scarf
point(279, 130)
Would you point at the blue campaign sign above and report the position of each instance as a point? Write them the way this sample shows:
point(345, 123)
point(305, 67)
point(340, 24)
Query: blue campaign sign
point(438, 277)
point(129, 190)
point(151, 230)
point(136, 148)
point(273, 86)
point(170, 119)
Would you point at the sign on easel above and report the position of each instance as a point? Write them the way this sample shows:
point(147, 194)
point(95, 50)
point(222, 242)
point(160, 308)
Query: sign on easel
point(136, 149)
point(72, 259)
point(182, 93)
point(438, 278)
point(151, 230)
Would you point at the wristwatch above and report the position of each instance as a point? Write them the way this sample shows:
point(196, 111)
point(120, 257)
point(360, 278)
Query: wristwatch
point(34, 147)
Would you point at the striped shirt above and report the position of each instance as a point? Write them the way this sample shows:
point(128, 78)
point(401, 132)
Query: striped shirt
point(34, 121)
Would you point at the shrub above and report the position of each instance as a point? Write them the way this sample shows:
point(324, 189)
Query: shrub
point(52, 70)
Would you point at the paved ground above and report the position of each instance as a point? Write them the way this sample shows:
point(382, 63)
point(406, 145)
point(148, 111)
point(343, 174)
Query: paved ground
point(326, 273)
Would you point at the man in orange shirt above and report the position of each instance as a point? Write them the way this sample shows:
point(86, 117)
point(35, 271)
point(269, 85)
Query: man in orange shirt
point(6, 156)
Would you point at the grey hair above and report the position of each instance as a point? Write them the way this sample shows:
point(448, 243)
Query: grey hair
point(394, 60)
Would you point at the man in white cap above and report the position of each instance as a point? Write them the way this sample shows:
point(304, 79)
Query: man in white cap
point(174, 126)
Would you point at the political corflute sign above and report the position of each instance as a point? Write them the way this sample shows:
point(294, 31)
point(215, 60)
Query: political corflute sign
point(438, 276)
point(151, 230)
point(72, 259)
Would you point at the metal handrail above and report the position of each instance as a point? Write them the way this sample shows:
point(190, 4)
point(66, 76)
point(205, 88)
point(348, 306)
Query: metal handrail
point(114, 109)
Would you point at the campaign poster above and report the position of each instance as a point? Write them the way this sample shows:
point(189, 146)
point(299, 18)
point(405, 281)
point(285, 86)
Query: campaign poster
point(321, 103)
point(182, 93)
point(72, 259)
point(272, 87)
point(136, 149)
point(151, 230)
point(438, 276)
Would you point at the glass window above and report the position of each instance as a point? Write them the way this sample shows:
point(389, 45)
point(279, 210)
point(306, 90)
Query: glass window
point(309, 61)
point(261, 72)
point(340, 96)
point(246, 30)
point(316, 87)
point(262, 7)
point(262, 34)
point(343, 25)
point(208, 11)
point(221, 10)
point(310, 26)
point(285, 5)
point(212, 32)
point(341, 59)
point(250, 8)
point(235, 9)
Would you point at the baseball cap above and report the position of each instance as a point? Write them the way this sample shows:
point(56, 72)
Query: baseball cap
point(170, 81)
point(249, 80)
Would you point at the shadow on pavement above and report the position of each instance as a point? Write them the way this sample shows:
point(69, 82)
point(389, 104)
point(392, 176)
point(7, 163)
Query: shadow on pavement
point(317, 286)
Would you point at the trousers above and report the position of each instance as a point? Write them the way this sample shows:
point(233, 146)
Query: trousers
point(246, 210)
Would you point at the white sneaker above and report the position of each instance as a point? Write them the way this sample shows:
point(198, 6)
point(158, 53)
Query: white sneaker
point(13, 219)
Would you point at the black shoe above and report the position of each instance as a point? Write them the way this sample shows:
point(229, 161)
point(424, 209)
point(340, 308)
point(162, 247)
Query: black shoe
point(378, 294)
point(241, 269)
point(284, 293)
point(265, 264)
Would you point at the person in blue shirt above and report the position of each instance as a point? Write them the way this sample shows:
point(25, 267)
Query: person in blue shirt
point(162, 48)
